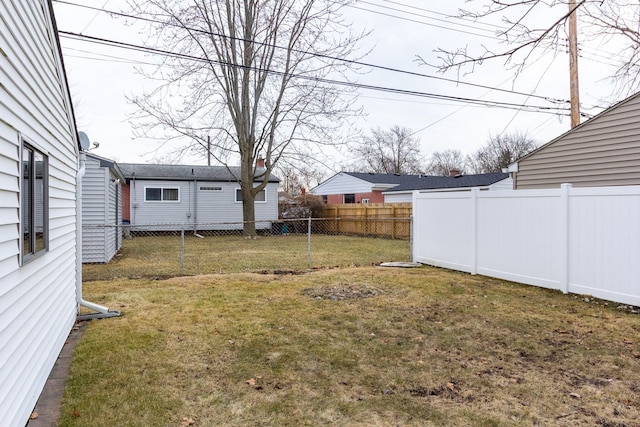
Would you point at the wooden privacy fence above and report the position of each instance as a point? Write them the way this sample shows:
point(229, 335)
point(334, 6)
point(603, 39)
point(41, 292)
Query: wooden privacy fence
point(387, 220)
point(578, 240)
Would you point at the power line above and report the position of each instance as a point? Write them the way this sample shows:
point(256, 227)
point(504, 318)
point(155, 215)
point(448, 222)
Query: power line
point(319, 55)
point(422, 22)
point(130, 46)
point(423, 16)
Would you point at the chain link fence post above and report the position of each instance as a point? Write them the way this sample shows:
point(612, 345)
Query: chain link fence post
point(182, 250)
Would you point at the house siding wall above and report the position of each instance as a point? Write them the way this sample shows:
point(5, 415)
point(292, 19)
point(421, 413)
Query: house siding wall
point(505, 184)
point(201, 206)
point(602, 152)
point(94, 206)
point(113, 218)
point(37, 300)
point(101, 212)
point(342, 184)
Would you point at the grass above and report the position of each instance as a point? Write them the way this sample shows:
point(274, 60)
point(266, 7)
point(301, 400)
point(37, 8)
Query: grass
point(426, 347)
point(232, 254)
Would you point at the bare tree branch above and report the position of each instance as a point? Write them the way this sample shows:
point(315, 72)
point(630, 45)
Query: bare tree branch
point(261, 85)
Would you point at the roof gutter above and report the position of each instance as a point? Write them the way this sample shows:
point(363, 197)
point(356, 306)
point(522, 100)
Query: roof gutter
point(100, 311)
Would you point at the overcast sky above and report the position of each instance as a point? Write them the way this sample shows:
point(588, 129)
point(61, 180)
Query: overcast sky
point(101, 77)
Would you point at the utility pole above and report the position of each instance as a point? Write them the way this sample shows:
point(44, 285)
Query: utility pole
point(573, 64)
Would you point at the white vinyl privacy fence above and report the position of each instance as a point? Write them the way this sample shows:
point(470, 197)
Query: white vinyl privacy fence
point(579, 240)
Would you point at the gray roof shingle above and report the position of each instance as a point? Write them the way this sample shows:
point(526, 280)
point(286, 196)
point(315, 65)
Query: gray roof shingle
point(184, 172)
point(427, 182)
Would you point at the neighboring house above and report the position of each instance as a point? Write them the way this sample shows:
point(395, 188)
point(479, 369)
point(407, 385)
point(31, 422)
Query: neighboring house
point(484, 181)
point(101, 209)
point(603, 151)
point(191, 197)
point(38, 216)
point(354, 187)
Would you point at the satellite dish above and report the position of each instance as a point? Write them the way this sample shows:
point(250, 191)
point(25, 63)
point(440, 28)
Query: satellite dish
point(84, 140)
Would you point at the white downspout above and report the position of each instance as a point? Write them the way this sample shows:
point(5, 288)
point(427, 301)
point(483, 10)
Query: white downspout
point(79, 300)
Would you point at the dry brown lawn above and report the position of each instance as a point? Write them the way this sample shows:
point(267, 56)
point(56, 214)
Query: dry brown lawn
point(352, 347)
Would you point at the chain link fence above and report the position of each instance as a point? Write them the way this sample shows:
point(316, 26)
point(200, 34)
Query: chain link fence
point(162, 250)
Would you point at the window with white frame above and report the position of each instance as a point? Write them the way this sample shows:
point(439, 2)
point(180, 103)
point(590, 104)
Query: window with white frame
point(34, 209)
point(365, 201)
point(261, 197)
point(161, 194)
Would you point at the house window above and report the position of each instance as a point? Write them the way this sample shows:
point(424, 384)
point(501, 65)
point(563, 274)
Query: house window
point(161, 194)
point(261, 197)
point(365, 201)
point(349, 198)
point(34, 202)
point(325, 199)
point(211, 189)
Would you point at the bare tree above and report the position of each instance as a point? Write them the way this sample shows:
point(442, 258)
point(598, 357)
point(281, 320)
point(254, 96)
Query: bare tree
point(523, 33)
point(294, 177)
point(502, 150)
point(389, 151)
point(251, 74)
point(443, 162)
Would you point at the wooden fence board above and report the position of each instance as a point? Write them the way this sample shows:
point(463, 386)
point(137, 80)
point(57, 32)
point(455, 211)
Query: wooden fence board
point(389, 220)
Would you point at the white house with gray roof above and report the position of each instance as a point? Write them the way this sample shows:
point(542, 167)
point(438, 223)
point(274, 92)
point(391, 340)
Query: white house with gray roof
point(359, 187)
point(197, 198)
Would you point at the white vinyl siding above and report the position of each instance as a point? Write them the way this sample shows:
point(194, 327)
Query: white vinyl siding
point(101, 212)
point(343, 183)
point(37, 300)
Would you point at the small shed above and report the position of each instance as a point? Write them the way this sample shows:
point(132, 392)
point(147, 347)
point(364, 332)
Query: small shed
point(101, 209)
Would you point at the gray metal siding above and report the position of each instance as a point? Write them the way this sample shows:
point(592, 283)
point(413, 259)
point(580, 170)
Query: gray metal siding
point(157, 212)
point(37, 299)
point(604, 151)
point(207, 208)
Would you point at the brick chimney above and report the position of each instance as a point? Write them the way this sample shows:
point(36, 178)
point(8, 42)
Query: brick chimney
point(454, 172)
point(260, 162)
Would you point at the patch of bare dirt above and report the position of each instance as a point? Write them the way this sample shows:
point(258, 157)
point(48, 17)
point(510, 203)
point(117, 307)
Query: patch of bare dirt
point(343, 291)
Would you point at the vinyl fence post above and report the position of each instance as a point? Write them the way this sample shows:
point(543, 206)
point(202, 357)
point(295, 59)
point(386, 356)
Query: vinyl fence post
point(182, 251)
point(410, 238)
point(565, 190)
point(474, 230)
point(309, 244)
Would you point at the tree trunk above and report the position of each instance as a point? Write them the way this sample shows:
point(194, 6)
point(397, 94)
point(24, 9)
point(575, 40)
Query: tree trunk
point(249, 214)
point(248, 197)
